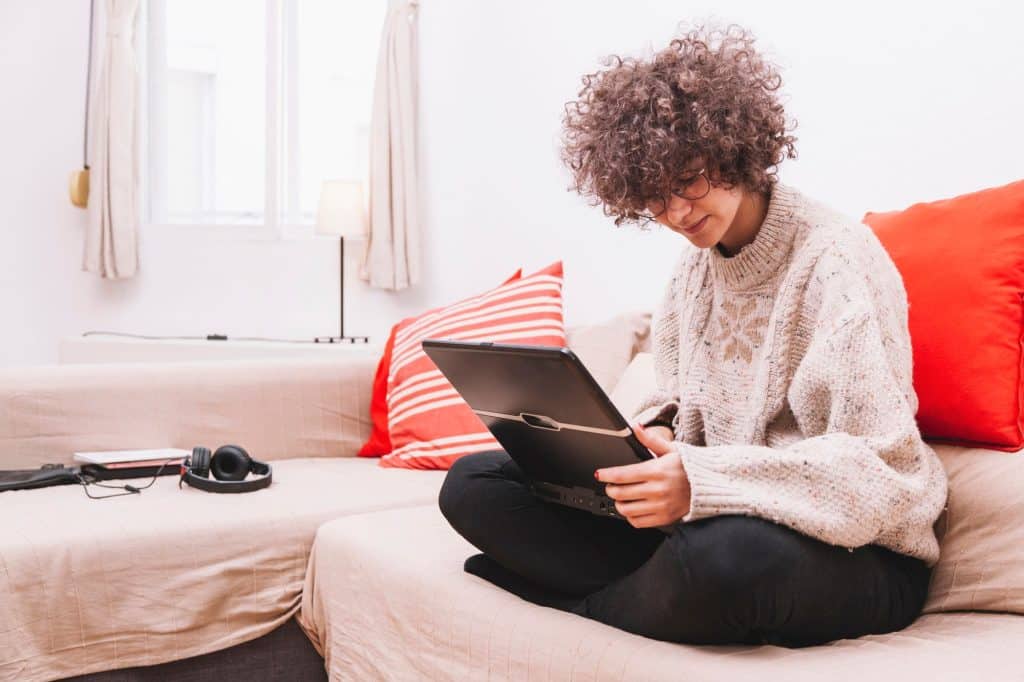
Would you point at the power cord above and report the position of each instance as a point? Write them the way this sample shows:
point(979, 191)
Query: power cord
point(208, 337)
point(88, 92)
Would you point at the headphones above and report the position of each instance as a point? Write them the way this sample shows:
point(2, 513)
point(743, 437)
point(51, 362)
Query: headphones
point(230, 464)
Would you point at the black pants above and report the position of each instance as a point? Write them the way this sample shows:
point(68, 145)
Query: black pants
point(719, 580)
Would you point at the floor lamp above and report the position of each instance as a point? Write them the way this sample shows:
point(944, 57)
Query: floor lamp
point(341, 213)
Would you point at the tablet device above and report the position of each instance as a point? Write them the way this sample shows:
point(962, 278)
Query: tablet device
point(547, 411)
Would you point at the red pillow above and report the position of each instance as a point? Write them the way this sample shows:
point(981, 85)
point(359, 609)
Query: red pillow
point(429, 424)
point(379, 442)
point(962, 262)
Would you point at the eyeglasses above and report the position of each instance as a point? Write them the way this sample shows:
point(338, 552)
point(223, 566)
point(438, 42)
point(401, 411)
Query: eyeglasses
point(690, 188)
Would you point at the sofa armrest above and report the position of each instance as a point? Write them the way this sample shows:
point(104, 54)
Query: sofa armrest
point(276, 409)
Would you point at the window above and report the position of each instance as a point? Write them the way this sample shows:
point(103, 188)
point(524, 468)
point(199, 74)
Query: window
point(250, 105)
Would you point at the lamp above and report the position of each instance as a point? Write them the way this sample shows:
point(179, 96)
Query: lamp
point(341, 213)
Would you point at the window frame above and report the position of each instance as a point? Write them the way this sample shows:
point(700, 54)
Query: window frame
point(281, 99)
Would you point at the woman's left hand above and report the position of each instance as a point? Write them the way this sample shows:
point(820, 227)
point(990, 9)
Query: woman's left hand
point(652, 493)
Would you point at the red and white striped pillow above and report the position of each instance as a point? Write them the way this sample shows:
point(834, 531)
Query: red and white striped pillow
point(430, 425)
point(379, 442)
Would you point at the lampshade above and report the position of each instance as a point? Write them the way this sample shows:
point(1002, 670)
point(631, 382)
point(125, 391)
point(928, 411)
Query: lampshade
point(341, 210)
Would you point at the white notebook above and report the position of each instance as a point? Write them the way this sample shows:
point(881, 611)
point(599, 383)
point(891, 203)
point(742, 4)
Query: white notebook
point(114, 456)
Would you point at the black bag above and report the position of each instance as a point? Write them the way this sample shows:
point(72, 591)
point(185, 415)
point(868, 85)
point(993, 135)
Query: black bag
point(46, 475)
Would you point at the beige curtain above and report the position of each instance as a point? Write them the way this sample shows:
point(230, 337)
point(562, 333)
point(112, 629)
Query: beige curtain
point(392, 256)
point(111, 246)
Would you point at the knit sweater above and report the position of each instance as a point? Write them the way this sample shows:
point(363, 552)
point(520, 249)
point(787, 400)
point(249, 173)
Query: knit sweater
point(786, 373)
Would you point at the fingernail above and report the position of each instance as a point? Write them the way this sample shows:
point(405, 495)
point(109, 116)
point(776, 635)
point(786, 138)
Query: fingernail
point(597, 475)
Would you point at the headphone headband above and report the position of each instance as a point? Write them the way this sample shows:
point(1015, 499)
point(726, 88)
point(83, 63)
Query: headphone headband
point(188, 475)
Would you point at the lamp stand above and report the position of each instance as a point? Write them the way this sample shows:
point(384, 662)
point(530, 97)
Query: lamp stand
point(341, 338)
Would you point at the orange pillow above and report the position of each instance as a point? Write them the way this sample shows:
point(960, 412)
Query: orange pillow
point(379, 442)
point(430, 425)
point(962, 262)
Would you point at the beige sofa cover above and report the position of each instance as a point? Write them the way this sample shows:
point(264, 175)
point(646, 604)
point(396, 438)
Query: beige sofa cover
point(386, 598)
point(91, 585)
point(300, 407)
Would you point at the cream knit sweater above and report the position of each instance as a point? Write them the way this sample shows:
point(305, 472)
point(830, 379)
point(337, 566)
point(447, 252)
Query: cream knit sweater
point(786, 373)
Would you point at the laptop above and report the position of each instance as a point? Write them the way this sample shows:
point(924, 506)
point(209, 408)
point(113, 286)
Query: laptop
point(547, 411)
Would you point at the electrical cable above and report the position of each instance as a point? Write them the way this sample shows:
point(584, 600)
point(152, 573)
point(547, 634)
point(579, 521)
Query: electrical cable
point(90, 479)
point(88, 93)
point(208, 337)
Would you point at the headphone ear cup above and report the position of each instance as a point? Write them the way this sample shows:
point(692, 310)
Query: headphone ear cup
point(230, 463)
point(200, 462)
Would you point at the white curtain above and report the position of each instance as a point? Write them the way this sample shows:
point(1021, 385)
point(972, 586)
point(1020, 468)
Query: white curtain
point(392, 256)
point(111, 239)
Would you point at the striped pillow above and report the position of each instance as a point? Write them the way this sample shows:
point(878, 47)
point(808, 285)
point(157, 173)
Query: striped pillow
point(430, 425)
point(379, 442)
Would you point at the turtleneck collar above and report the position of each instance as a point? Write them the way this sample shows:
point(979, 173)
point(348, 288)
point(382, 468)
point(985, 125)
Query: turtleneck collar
point(761, 258)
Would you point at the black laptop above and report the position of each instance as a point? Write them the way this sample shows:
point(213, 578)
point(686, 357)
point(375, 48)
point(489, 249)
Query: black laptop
point(548, 413)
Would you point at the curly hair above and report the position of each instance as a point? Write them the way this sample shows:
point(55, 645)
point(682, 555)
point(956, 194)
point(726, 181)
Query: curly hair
point(637, 124)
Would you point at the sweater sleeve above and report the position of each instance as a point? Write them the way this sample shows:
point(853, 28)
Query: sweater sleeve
point(862, 470)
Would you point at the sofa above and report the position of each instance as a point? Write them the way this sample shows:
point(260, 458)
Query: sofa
point(346, 570)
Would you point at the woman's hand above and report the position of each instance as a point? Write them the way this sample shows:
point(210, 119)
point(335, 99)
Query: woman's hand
point(652, 493)
point(663, 431)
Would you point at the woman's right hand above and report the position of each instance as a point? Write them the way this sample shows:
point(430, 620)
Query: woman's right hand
point(654, 493)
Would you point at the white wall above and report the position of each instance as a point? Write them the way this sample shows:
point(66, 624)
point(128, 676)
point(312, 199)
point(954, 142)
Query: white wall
point(897, 102)
point(41, 56)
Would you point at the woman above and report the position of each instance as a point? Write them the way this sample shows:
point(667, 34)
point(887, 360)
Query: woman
point(792, 497)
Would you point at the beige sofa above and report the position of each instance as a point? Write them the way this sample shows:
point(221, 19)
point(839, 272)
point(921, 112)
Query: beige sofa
point(360, 556)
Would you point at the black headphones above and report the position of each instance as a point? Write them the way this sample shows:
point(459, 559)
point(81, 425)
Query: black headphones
point(230, 465)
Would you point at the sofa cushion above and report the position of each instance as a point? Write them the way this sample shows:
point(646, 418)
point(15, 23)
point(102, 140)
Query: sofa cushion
point(636, 383)
point(90, 585)
point(429, 424)
point(606, 348)
point(386, 598)
point(981, 533)
point(966, 316)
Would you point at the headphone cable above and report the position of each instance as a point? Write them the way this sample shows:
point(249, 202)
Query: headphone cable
point(87, 479)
